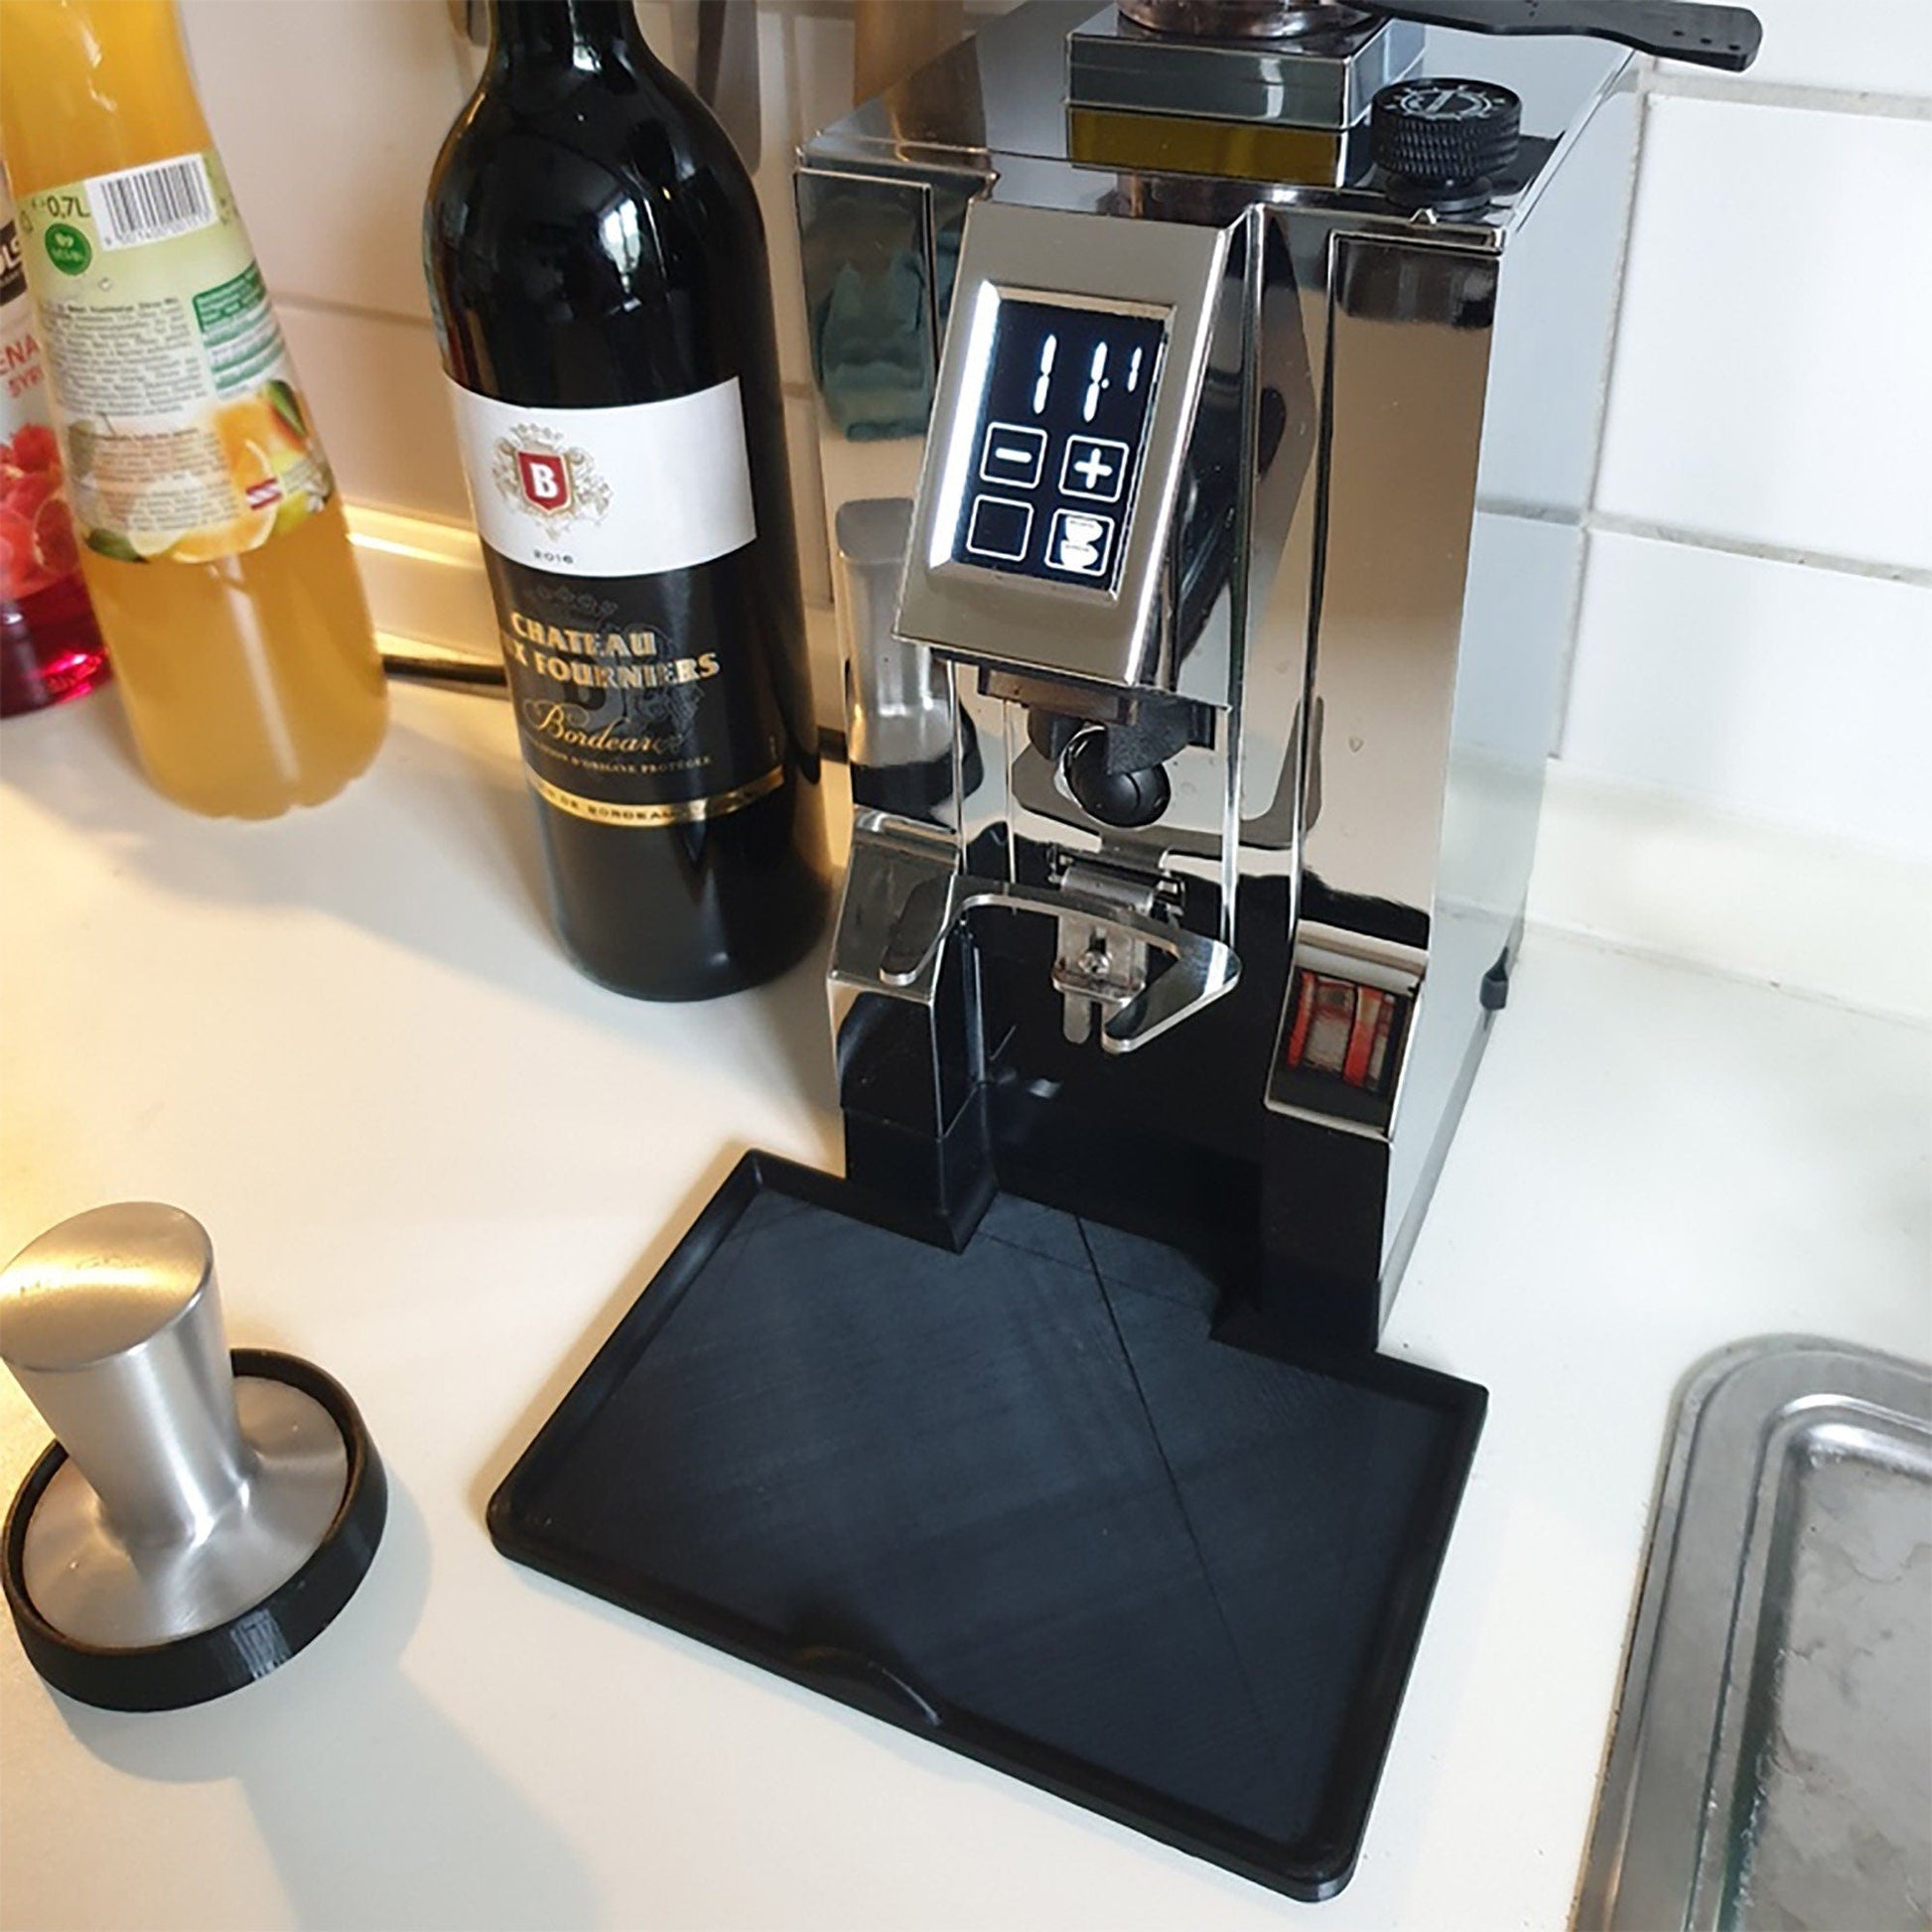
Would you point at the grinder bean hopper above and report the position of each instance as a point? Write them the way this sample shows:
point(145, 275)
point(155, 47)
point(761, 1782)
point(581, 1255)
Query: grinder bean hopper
point(1209, 395)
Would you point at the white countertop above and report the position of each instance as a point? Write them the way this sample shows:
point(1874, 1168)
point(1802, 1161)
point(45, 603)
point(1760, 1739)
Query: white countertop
point(440, 1164)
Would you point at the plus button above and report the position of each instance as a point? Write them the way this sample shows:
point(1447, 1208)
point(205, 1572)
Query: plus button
point(1094, 467)
point(1090, 468)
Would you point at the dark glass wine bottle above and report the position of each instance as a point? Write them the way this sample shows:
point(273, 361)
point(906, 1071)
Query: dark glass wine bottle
point(598, 271)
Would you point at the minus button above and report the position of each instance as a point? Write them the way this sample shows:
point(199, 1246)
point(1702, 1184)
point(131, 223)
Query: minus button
point(1014, 454)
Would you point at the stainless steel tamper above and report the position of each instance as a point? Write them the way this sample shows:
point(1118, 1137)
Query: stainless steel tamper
point(199, 1516)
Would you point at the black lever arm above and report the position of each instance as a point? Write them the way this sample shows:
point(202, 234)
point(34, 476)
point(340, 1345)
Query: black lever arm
point(1709, 36)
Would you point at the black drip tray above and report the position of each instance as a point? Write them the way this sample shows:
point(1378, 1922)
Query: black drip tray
point(1017, 1499)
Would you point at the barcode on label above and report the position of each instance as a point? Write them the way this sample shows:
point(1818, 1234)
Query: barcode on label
point(152, 204)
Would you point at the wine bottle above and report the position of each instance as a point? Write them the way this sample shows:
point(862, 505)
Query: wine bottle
point(599, 280)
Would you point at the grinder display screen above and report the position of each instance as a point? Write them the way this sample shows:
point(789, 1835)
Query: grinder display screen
point(1055, 455)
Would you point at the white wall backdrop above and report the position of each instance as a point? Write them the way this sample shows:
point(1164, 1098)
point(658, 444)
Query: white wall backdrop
point(1756, 623)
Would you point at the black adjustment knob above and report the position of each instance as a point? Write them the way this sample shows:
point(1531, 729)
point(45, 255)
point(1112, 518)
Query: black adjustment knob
point(1132, 797)
point(1444, 144)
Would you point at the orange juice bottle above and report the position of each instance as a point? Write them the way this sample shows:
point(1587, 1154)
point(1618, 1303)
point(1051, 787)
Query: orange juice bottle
point(213, 540)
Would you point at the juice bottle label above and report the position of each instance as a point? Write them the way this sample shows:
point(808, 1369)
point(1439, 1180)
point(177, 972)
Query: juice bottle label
point(636, 639)
point(37, 545)
point(186, 434)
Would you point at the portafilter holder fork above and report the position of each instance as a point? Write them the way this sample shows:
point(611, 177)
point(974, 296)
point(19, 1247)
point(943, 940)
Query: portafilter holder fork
point(200, 1517)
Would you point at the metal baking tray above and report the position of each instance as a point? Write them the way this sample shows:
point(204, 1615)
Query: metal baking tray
point(1771, 1763)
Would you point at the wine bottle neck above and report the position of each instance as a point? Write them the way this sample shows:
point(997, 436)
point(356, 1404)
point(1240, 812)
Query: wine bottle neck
point(588, 35)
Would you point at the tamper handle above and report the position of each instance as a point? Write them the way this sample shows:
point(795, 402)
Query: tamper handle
point(112, 1325)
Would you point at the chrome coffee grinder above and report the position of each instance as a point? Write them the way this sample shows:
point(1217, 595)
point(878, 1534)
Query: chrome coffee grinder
point(1233, 369)
point(1209, 393)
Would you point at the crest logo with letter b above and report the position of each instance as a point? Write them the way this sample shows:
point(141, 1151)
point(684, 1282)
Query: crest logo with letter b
point(545, 480)
point(538, 473)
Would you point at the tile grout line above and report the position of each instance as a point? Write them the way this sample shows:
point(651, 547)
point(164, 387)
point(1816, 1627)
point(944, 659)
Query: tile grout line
point(329, 305)
point(325, 305)
point(1610, 353)
point(1798, 95)
point(1612, 524)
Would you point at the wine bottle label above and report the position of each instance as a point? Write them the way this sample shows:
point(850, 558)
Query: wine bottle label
point(626, 492)
point(186, 434)
point(636, 635)
point(640, 700)
point(37, 546)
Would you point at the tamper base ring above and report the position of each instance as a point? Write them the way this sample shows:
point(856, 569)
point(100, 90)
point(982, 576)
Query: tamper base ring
point(210, 1663)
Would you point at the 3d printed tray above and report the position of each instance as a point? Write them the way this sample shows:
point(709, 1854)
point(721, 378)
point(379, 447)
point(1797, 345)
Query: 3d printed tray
point(1017, 1500)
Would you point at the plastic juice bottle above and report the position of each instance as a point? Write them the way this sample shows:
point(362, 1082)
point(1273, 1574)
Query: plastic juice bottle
point(214, 542)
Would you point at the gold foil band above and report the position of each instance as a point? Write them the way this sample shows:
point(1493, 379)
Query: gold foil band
point(1178, 144)
point(677, 811)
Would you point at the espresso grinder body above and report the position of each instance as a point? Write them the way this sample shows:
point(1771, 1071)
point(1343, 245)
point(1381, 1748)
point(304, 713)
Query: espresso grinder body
point(1206, 428)
point(1242, 1016)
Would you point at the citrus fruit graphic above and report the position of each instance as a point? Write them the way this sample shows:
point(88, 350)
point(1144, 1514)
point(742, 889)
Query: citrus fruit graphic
point(245, 430)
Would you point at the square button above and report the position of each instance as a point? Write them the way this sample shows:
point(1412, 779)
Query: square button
point(1082, 543)
point(1013, 452)
point(1094, 467)
point(999, 528)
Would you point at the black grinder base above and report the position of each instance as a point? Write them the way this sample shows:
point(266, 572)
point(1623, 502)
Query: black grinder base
point(1019, 1500)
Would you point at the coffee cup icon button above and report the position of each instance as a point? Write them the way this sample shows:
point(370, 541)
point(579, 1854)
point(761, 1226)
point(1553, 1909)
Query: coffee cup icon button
point(1080, 542)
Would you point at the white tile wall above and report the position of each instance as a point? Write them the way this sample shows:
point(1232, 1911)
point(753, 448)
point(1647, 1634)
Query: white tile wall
point(1785, 691)
point(1770, 415)
point(328, 116)
point(1756, 623)
point(1876, 46)
point(377, 383)
point(1772, 381)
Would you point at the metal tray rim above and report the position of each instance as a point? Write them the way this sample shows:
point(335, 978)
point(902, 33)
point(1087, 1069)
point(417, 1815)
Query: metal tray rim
point(1812, 1376)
